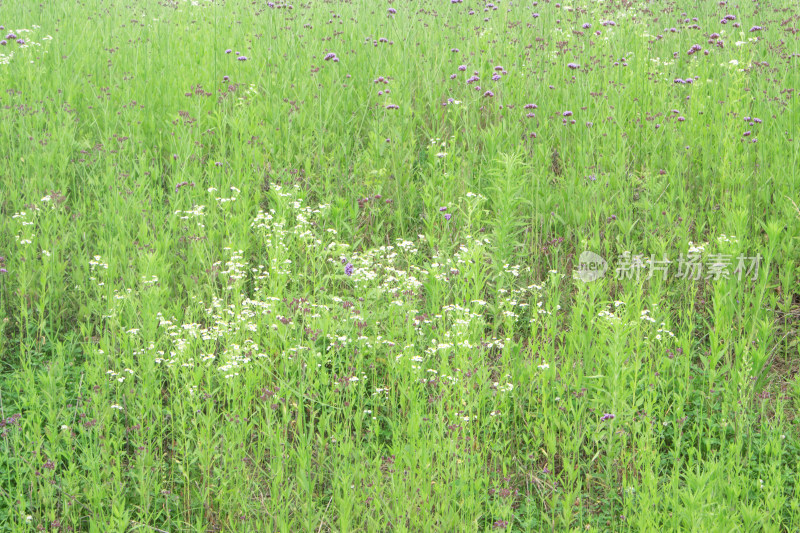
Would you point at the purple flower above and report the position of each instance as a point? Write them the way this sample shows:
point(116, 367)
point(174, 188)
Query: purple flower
point(228, 51)
point(20, 41)
point(3, 42)
point(348, 269)
point(536, 15)
point(573, 66)
point(499, 68)
point(531, 106)
point(443, 208)
point(488, 94)
point(746, 134)
point(447, 216)
point(242, 58)
point(392, 11)
point(452, 76)
point(681, 119)
point(392, 106)
point(586, 26)
point(11, 36)
point(462, 68)
point(497, 77)
point(756, 28)
point(226, 78)
point(567, 113)
point(454, 50)
point(329, 56)
point(607, 416)
point(3, 271)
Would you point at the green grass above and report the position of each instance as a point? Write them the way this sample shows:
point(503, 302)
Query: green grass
point(238, 304)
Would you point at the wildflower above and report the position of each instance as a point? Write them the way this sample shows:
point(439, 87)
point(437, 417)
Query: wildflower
point(488, 94)
point(228, 51)
point(607, 416)
point(392, 11)
point(573, 66)
point(567, 113)
point(242, 58)
point(348, 269)
point(447, 216)
point(329, 56)
point(462, 68)
point(392, 106)
point(755, 29)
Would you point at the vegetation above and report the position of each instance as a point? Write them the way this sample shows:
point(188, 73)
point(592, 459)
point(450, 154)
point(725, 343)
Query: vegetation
point(318, 267)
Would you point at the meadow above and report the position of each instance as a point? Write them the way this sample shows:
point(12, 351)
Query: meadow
point(323, 266)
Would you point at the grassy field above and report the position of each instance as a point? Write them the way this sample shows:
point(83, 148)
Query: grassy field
point(323, 266)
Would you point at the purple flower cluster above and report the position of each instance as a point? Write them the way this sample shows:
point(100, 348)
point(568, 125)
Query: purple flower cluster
point(3, 265)
point(330, 56)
